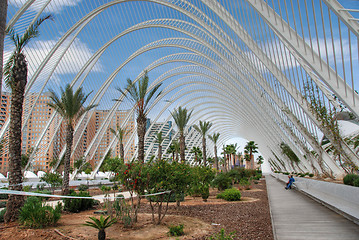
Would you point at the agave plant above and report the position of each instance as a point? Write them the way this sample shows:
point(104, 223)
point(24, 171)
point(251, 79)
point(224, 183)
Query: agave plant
point(101, 224)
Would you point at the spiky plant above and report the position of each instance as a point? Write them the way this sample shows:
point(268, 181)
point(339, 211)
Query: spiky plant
point(101, 224)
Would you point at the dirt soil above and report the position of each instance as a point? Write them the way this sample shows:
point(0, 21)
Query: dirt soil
point(249, 218)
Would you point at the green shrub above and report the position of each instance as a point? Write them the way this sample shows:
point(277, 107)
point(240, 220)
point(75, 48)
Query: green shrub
point(78, 204)
point(245, 183)
point(356, 182)
point(349, 179)
point(222, 235)
point(2, 213)
point(83, 187)
point(176, 230)
point(311, 175)
point(34, 215)
point(230, 195)
point(222, 181)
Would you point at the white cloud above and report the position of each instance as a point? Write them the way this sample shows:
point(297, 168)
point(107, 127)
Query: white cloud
point(54, 6)
point(71, 63)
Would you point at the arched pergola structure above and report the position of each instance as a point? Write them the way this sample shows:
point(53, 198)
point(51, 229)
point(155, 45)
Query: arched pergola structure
point(254, 68)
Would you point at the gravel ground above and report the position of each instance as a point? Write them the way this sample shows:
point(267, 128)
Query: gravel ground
point(250, 220)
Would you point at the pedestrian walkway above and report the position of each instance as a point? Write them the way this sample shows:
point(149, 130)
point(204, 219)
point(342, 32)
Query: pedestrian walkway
point(296, 216)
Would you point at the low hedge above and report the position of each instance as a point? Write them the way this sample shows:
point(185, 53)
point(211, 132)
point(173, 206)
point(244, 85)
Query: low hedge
point(230, 195)
point(349, 179)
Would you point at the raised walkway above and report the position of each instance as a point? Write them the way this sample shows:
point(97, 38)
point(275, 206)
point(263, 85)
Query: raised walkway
point(296, 216)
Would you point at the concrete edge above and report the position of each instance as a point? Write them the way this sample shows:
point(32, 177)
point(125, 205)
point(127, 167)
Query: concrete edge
point(270, 210)
point(325, 204)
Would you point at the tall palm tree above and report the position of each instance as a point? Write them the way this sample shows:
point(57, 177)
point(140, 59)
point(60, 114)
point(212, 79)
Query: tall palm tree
point(159, 140)
point(15, 77)
point(3, 14)
point(70, 107)
point(120, 134)
point(251, 147)
point(203, 129)
point(141, 96)
point(181, 117)
point(214, 138)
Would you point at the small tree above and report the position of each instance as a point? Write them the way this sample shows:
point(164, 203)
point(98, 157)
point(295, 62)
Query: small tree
point(53, 179)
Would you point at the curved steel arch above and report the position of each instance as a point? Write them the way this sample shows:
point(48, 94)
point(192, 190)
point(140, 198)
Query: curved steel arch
point(196, 14)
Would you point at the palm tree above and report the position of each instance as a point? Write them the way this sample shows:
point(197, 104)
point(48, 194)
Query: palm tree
point(70, 107)
point(177, 148)
point(214, 138)
point(196, 151)
point(181, 117)
point(120, 134)
point(159, 140)
point(260, 160)
point(203, 129)
point(141, 96)
point(251, 147)
point(171, 150)
point(15, 77)
point(3, 14)
point(240, 159)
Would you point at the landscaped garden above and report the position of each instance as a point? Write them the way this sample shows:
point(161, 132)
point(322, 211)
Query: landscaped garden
point(202, 204)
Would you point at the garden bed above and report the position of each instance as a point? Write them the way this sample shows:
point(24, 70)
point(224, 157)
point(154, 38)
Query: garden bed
point(250, 218)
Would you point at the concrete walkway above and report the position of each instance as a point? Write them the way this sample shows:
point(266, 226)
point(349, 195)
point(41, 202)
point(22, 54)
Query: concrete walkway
point(296, 216)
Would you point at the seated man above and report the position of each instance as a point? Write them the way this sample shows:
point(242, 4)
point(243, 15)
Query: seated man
point(290, 182)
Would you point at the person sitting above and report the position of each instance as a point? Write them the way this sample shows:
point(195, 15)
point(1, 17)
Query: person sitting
point(290, 182)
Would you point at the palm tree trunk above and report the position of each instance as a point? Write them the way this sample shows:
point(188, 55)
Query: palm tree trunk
point(204, 154)
point(159, 152)
point(3, 14)
point(182, 148)
point(101, 234)
point(15, 202)
point(215, 157)
point(122, 152)
point(141, 131)
point(69, 140)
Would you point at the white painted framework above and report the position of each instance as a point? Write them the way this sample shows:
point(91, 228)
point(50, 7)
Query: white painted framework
point(241, 64)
